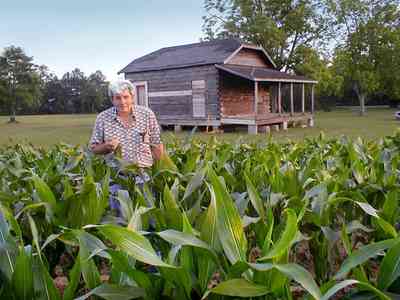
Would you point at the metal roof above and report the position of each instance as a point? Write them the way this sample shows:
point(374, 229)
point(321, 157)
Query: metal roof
point(263, 74)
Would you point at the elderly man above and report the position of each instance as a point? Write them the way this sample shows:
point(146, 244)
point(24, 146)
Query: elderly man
point(131, 126)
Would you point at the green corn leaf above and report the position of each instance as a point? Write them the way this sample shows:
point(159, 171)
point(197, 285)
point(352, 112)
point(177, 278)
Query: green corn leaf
point(302, 276)
point(210, 235)
point(8, 249)
point(169, 199)
point(239, 288)
point(209, 232)
point(43, 283)
point(50, 239)
point(22, 279)
point(172, 212)
point(135, 223)
point(133, 244)
point(334, 288)
point(295, 272)
point(255, 198)
point(125, 202)
point(165, 163)
point(362, 254)
point(43, 190)
point(74, 279)
point(122, 263)
point(185, 239)
point(92, 244)
point(389, 269)
point(387, 227)
point(34, 206)
point(182, 239)
point(89, 246)
point(115, 292)
point(341, 285)
point(229, 225)
point(35, 234)
point(90, 273)
point(287, 237)
point(268, 238)
point(73, 162)
point(195, 182)
point(88, 207)
point(14, 226)
point(390, 209)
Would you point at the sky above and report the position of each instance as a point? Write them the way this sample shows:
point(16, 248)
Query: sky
point(97, 35)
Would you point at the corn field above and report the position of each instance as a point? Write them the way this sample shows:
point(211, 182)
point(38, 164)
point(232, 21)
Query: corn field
point(318, 219)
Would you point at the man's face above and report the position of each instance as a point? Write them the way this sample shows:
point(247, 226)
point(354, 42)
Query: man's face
point(123, 101)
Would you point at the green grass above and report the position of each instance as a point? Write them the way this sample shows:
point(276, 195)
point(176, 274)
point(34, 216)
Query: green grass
point(45, 130)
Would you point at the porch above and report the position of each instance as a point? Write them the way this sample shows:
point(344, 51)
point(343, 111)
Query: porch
point(262, 97)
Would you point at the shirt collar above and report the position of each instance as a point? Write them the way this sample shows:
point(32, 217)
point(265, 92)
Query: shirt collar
point(115, 115)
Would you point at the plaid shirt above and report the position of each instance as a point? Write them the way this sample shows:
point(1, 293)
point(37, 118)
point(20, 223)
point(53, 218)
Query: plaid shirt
point(135, 139)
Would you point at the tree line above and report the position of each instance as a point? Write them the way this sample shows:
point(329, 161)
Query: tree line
point(27, 88)
point(352, 47)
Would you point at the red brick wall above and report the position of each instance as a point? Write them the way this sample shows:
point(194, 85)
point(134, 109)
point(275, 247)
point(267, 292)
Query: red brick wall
point(237, 96)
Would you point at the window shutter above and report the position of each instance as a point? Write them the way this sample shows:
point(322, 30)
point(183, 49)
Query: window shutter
point(198, 98)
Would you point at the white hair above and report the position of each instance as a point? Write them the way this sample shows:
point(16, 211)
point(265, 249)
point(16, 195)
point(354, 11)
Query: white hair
point(117, 87)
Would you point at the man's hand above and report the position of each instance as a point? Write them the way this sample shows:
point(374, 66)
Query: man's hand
point(106, 147)
point(158, 151)
point(111, 145)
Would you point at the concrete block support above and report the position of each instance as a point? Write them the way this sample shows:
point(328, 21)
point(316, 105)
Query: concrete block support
point(252, 129)
point(177, 128)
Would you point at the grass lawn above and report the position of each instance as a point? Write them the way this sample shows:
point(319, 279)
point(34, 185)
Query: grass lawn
point(45, 130)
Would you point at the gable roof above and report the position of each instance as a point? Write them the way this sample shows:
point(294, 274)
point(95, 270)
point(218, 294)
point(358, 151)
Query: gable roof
point(249, 46)
point(204, 53)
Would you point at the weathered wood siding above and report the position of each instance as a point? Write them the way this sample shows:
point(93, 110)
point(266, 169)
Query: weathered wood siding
point(178, 103)
point(250, 57)
point(237, 96)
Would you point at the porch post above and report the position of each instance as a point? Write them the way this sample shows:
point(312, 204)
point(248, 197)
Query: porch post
point(291, 100)
point(312, 98)
point(279, 98)
point(302, 97)
point(311, 119)
point(255, 98)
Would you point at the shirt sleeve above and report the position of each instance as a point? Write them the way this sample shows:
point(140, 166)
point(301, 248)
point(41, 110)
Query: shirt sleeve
point(155, 136)
point(98, 132)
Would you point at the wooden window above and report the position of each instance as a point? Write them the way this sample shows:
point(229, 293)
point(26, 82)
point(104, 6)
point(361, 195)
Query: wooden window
point(199, 106)
point(141, 94)
point(198, 98)
point(198, 84)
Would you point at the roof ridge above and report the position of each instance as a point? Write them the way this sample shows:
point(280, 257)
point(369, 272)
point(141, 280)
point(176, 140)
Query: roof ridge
point(215, 41)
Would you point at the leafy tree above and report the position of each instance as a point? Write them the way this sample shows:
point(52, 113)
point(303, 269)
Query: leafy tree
point(100, 95)
point(95, 92)
point(20, 81)
point(73, 83)
point(75, 93)
point(386, 47)
point(280, 26)
point(360, 57)
point(54, 96)
point(309, 63)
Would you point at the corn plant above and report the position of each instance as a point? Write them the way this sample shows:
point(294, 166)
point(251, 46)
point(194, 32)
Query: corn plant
point(317, 219)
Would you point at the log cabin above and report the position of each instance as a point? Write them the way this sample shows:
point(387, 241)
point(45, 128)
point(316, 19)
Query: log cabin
point(218, 83)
